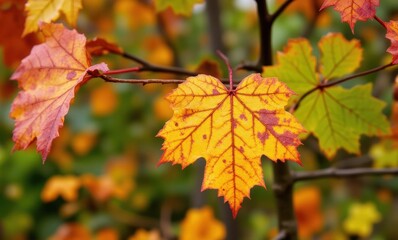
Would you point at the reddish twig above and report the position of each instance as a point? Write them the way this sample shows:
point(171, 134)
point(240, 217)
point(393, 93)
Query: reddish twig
point(226, 60)
point(331, 84)
point(382, 23)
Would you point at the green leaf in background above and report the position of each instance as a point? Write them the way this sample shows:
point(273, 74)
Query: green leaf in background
point(296, 66)
point(183, 7)
point(339, 56)
point(336, 116)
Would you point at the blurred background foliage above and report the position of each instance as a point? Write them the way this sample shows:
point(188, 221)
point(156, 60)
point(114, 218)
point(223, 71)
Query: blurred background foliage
point(101, 179)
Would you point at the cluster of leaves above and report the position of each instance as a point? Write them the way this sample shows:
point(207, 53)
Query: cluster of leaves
point(230, 128)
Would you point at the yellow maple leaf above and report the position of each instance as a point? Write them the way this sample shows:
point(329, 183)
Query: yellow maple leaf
point(49, 10)
point(231, 129)
point(361, 218)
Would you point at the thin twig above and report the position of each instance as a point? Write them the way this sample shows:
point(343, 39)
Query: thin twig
point(140, 81)
point(382, 23)
point(280, 10)
point(370, 71)
point(330, 84)
point(149, 67)
point(342, 173)
point(144, 81)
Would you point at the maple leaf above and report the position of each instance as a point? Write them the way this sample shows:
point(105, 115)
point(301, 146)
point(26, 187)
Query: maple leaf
point(327, 111)
point(352, 11)
point(183, 7)
point(49, 77)
point(338, 117)
point(231, 129)
point(392, 34)
point(49, 10)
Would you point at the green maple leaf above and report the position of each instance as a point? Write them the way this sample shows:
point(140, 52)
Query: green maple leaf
point(183, 7)
point(335, 115)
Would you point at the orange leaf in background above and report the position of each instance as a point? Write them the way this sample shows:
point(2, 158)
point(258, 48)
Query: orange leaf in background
point(231, 129)
point(200, 224)
point(146, 16)
point(309, 8)
point(107, 234)
point(49, 10)
point(65, 186)
point(103, 100)
point(158, 51)
point(83, 142)
point(352, 11)
point(14, 47)
point(392, 34)
point(101, 188)
point(307, 207)
point(142, 234)
point(71, 231)
point(49, 77)
point(100, 46)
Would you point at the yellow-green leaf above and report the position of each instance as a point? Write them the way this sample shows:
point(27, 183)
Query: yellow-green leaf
point(339, 56)
point(231, 129)
point(296, 66)
point(338, 117)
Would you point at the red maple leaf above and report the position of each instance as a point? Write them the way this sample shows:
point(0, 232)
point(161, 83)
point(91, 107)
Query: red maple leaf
point(49, 77)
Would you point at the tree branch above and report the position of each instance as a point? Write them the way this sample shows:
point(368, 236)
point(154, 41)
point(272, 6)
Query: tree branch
point(149, 67)
point(330, 84)
point(280, 10)
point(213, 11)
point(107, 78)
point(342, 173)
point(265, 57)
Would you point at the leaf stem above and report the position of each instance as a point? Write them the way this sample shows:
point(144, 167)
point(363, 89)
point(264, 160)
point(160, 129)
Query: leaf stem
point(382, 23)
point(226, 60)
point(330, 84)
point(342, 173)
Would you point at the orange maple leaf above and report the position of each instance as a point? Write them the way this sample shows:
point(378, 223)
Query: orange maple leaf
point(49, 77)
point(352, 11)
point(231, 129)
point(392, 34)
